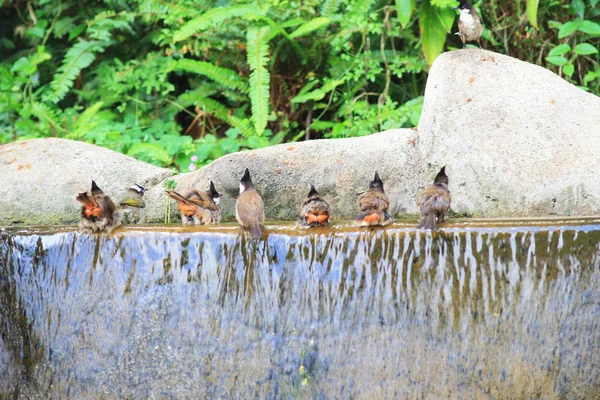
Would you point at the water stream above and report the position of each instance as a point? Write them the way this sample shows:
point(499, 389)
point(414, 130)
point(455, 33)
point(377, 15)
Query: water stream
point(473, 311)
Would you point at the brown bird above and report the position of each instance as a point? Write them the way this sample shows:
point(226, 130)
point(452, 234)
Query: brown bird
point(434, 201)
point(374, 205)
point(469, 24)
point(314, 211)
point(98, 212)
point(198, 208)
point(133, 202)
point(249, 207)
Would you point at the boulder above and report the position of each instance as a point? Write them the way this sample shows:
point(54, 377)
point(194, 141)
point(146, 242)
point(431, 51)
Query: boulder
point(340, 169)
point(40, 178)
point(517, 139)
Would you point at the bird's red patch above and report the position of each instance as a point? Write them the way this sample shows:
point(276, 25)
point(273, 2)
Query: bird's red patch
point(91, 211)
point(186, 209)
point(312, 218)
point(370, 218)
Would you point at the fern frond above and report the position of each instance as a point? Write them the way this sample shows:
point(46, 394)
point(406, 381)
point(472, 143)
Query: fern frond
point(216, 108)
point(85, 122)
point(215, 16)
point(80, 56)
point(223, 113)
point(224, 76)
point(258, 57)
point(330, 7)
point(45, 114)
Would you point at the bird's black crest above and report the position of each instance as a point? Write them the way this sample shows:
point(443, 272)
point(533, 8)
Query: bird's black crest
point(377, 183)
point(247, 180)
point(212, 192)
point(441, 177)
point(312, 191)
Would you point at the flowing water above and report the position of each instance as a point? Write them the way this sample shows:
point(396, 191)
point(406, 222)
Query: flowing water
point(476, 310)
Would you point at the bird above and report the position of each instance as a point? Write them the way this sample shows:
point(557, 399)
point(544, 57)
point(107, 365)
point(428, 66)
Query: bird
point(434, 201)
point(98, 213)
point(314, 211)
point(374, 205)
point(133, 203)
point(469, 24)
point(198, 208)
point(249, 207)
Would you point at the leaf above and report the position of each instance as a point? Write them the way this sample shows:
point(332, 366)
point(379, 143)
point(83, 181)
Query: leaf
point(223, 76)
point(150, 151)
point(569, 69)
point(578, 6)
point(591, 76)
point(317, 94)
point(213, 17)
point(556, 60)
point(584, 49)
point(85, 122)
point(258, 57)
point(568, 28)
point(433, 32)
point(77, 31)
point(559, 50)
point(405, 8)
point(554, 24)
point(532, 11)
point(35, 31)
point(80, 56)
point(310, 26)
point(589, 27)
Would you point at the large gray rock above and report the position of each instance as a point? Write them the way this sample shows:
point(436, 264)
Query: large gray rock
point(340, 169)
point(517, 139)
point(40, 178)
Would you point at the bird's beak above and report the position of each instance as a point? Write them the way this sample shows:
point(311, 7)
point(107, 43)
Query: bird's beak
point(455, 8)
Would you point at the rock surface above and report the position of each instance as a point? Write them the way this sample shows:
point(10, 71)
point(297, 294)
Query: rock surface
point(40, 178)
point(517, 139)
point(339, 169)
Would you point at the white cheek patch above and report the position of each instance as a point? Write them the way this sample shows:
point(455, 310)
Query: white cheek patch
point(465, 17)
point(216, 200)
point(242, 188)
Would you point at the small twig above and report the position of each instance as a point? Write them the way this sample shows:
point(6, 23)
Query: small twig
point(31, 14)
point(308, 122)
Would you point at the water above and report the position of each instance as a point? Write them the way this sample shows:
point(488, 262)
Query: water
point(474, 311)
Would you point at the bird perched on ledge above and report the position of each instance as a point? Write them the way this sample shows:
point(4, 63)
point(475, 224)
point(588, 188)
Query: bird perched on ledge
point(434, 201)
point(314, 211)
point(249, 207)
point(98, 212)
point(133, 203)
point(374, 205)
point(469, 24)
point(198, 208)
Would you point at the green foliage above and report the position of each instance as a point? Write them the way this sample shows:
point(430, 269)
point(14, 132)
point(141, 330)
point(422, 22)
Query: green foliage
point(80, 56)
point(183, 82)
point(576, 51)
point(258, 57)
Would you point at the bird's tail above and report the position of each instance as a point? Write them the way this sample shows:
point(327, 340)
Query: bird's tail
point(255, 230)
point(428, 222)
point(177, 197)
point(87, 200)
